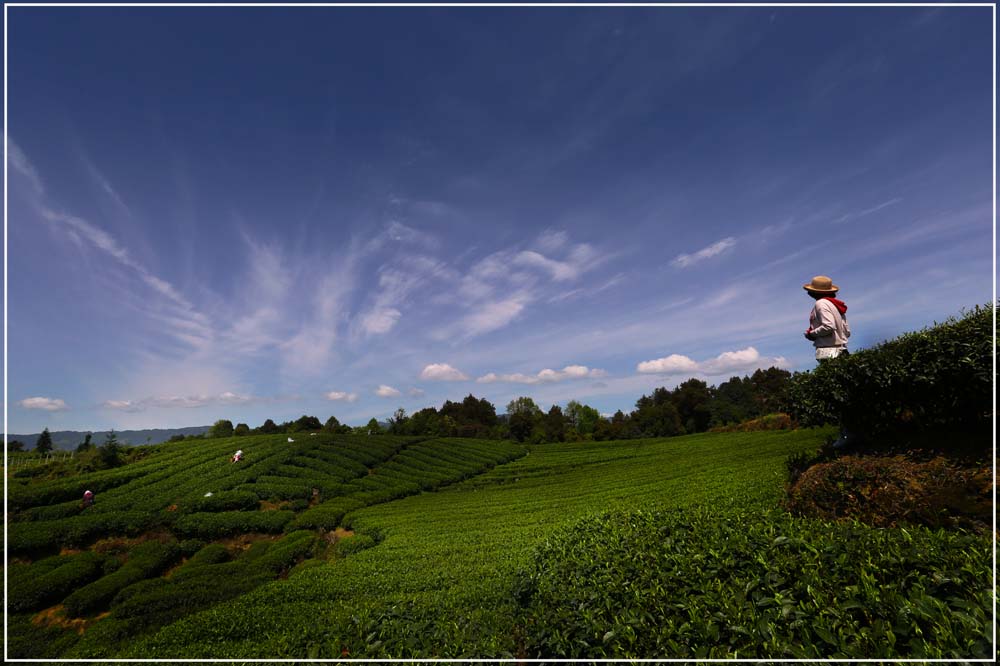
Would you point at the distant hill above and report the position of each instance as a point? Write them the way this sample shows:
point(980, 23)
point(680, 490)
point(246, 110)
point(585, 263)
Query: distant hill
point(67, 440)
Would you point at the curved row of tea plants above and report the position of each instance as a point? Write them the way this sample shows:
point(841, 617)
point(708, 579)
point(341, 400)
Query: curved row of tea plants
point(711, 583)
point(440, 581)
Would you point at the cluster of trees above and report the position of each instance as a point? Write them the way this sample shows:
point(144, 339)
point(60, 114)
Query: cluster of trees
point(693, 406)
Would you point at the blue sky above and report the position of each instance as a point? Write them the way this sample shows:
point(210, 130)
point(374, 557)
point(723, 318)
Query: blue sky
point(248, 213)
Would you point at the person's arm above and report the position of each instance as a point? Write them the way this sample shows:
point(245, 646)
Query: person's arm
point(827, 323)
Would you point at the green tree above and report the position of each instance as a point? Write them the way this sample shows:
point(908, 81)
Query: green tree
point(241, 430)
point(583, 417)
point(332, 425)
point(373, 428)
point(554, 425)
point(399, 422)
point(522, 415)
point(15, 445)
point(86, 444)
point(269, 427)
point(306, 423)
point(110, 452)
point(770, 389)
point(221, 428)
point(691, 399)
point(44, 442)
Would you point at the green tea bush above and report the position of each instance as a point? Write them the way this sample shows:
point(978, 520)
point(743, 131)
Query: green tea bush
point(707, 583)
point(933, 385)
point(145, 560)
point(228, 500)
point(326, 515)
point(77, 531)
point(217, 525)
point(50, 584)
point(889, 491)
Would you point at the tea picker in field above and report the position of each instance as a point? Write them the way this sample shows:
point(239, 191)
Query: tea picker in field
point(828, 329)
point(238, 456)
point(88, 498)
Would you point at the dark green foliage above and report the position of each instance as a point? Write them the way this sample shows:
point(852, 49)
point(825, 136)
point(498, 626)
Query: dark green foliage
point(928, 388)
point(221, 428)
point(241, 429)
point(707, 583)
point(268, 428)
point(44, 442)
point(306, 423)
point(110, 452)
point(145, 560)
point(217, 525)
point(326, 515)
point(227, 500)
point(33, 589)
point(206, 580)
point(76, 531)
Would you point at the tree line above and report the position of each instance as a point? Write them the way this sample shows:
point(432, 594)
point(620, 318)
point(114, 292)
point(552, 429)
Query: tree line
point(693, 406)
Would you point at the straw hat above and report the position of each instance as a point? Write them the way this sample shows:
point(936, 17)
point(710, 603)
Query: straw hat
point(821, 284)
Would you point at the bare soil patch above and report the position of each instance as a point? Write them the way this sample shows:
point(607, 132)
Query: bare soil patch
point(56, 617)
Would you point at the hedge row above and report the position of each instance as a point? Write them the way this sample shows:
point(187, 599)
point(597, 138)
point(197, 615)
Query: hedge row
point(33, 592)
point(931, 387)
point(227, 500)
point(145, 560)
point(216, 525)
point(33, 536)
point(209, 584)
point(326, 515)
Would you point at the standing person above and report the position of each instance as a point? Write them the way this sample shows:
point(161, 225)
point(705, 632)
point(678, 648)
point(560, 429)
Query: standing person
point(828, 329)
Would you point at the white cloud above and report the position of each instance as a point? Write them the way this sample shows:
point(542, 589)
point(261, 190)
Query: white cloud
point(741, 360)
point(668, 365)
point(384, 391)
point(492, 316)
point(341, 396)
point(416, 392)
point(45, 404)
point(544, 376)
point(18, 160)
point(123, 405)
point(551, 240)
point(559, 270)
point(685, 260)
point(380, 320)
point(442, 372)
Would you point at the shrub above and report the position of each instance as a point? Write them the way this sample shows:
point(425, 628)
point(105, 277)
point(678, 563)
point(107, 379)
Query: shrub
point(735, 583)
point(215, 525)
point(35, 592)
point(933, 384)
point(227, 500)
point(767, 422)
point(326, 515)
point(145, 560)
point(887, 491)
point(76, 531)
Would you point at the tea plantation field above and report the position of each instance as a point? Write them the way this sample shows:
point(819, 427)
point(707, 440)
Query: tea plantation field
point(466, 548)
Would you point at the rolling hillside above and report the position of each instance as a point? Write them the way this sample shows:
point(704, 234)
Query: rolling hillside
point(413, 548)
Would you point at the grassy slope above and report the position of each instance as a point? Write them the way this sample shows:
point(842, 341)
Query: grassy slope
point(439, 584)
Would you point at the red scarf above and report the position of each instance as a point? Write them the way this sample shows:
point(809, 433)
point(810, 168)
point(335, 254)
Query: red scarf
point(841, 305)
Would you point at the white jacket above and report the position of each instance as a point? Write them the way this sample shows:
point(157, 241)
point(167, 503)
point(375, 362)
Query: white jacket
point(829, 325)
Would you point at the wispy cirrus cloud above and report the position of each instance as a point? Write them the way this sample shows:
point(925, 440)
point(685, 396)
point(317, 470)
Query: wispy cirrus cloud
point(44, 404)
point(716, 248)
point(181, 401)
point(544, 376)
